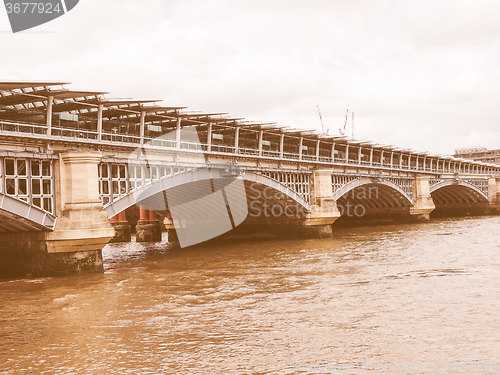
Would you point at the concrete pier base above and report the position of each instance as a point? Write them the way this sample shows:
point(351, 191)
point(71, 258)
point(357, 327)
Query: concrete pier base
point(77, 262)
point(122, 233)
point(26, 254)
point(148, 232)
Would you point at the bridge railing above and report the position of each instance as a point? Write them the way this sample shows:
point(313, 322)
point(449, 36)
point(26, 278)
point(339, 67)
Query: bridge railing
point(309, 157)
point(57, 132)
point(271, 154)
point(289, 155)
point(325, 159)
point(120, 138)
point(22, 128)
point(73, 133)
point(221, 148)
point(247, 151)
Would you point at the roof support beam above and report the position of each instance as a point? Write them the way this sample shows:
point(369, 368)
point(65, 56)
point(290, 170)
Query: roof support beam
point(178, 133)
point(282, 144)
point(99, 122)
point(209, 137)
point(142, 126)
point(50, 102)
point(333, 152)
point(237, 139)
point(300, 147)
point(261, 136)
point(317, 150)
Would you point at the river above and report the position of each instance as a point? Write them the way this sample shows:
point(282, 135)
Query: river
point(394, 299)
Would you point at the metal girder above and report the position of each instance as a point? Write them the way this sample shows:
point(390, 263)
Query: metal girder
point(457, 183)
point(154, 188)
point(367, 181)
point(23, 216)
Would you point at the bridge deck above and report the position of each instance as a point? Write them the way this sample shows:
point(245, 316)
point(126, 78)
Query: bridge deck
point(396, 161)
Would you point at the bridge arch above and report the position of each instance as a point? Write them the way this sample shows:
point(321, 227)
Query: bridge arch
point(19, 216)
point(457, 191)
point(163, 184)
point(373, 198)
point(367, 181)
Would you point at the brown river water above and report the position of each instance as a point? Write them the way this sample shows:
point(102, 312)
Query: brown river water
point(391, 299)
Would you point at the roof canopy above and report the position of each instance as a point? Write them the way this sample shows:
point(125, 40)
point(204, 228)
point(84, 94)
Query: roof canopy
point(20, 100)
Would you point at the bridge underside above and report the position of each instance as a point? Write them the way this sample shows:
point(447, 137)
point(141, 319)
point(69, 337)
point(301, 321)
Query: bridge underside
point(223, 205)
point(255, 206)
point(373, 202)
point(459, 200)
point(10, 222)
point(18, 216)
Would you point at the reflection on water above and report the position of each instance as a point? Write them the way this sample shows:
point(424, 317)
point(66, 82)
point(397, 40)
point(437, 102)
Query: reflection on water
point(390, 294)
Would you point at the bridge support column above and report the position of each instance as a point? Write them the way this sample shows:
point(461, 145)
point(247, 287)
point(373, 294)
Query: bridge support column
point(148, 227)
point(81, 231)
point(423, 203)
point(324, 211)
point(494, 194)
point(82, 227)
point(121, 227)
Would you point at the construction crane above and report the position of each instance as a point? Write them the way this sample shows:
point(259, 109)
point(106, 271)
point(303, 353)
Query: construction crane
point(321, 120)
point(342, 131)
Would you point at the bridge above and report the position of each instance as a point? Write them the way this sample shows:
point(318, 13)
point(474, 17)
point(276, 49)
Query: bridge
point(78, 170)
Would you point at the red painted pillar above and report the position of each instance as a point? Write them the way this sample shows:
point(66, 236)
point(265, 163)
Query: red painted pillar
point(144, 214)
point(152, 216)
point(148, 228)
point(121, 226)
point(122, 218)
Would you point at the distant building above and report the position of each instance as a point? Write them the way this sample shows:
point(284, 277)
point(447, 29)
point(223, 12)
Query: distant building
point(479, 154)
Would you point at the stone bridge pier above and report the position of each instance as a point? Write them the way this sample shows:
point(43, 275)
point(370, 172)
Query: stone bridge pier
point(324, 211)
point(423, 203)
point(494, 189)
point(82, 228)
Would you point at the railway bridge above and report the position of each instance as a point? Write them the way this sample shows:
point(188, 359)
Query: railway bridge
point(78, 170)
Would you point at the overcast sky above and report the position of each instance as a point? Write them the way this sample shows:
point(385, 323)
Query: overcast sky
point(419, 74)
